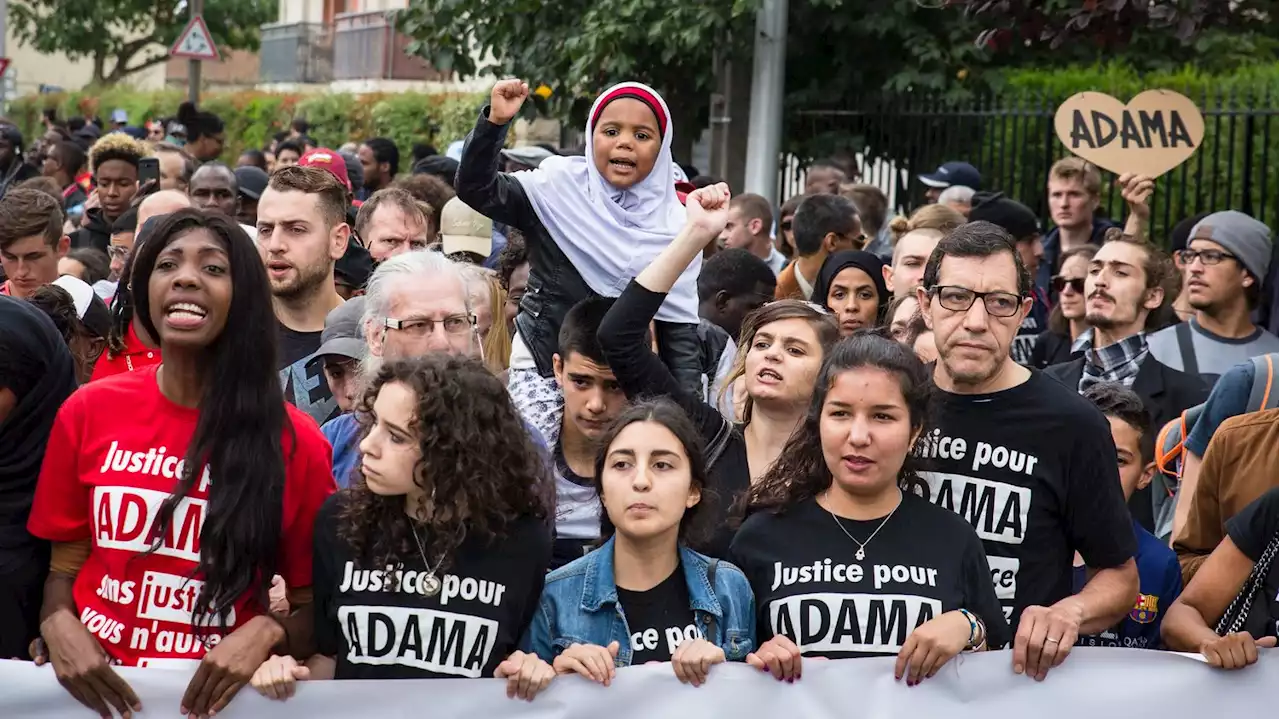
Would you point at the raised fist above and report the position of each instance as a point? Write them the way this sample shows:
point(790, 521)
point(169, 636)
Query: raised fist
point(506, 99)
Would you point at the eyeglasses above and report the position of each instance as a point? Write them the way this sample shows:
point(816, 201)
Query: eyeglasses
point(960, 299)
point(456, 325)
point(1209, 257)
point(785, 225)
point(117, 251)
point(1076, 284)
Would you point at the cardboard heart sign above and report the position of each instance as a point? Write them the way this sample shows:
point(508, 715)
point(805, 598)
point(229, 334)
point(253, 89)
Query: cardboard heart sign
point(1157, 131)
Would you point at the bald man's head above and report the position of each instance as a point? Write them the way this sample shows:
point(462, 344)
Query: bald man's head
point(162, 203)
point(214, 187)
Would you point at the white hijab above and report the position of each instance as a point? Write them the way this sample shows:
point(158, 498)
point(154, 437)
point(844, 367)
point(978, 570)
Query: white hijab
point(609, 234)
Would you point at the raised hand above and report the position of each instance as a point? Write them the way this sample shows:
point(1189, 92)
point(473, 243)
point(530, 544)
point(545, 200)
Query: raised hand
point(505, 100)
point(1136, 191)
point(707, 210)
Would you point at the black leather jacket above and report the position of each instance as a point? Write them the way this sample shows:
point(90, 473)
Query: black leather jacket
point(555, 285)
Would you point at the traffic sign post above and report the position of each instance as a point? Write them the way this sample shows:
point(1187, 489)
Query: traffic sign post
point(196, 44)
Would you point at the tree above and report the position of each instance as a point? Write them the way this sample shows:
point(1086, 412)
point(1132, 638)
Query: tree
point(125, 36)
point(580, 47)
point(836, 48)
point(1109, 23)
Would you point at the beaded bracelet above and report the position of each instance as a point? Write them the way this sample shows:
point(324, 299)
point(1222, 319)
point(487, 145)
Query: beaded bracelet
point(977, 630)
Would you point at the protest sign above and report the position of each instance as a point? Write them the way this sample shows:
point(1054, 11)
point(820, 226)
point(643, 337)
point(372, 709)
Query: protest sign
point(1093, 682)
point(1157, 131)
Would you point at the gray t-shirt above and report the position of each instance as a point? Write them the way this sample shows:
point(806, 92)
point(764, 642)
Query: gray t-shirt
point(1214, 355)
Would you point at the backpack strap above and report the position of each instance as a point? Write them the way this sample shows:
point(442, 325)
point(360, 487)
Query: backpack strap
point(716, 447)
point(1186, 347)
point(1264, 393)
point(711, 579)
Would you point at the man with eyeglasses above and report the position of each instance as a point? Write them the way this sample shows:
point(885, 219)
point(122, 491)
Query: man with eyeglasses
point(1227, 256)
point(415, 304)
point(1022, 224)
point(1025, 460)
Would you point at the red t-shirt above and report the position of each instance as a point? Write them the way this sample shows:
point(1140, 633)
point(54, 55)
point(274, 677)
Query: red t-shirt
point(136, 356)
point(114, 456)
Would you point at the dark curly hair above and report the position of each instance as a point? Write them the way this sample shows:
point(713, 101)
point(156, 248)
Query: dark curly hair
point(511, 257)
point(668, 414)
point(478, 462)
point(801, 471)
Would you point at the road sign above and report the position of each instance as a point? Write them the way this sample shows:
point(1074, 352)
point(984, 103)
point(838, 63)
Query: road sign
point(195, 42)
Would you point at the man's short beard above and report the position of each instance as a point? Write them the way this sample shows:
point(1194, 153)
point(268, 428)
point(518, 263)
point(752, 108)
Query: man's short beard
point(309, 278)
point(1100, 322)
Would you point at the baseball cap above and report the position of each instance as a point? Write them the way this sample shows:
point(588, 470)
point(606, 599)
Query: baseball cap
point(953, 173)
point(252, 181)
point(1241, 235)
point(119, 116)
point(326, 159)
point(1016, 218)
point(355, 265)
point(530, 156)
point(443, 167)
point(342, 335)
point(355, 171)
point(90, 308)
point(462, 229)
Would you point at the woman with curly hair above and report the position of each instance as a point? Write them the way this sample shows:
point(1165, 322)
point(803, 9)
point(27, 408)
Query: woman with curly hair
point(845, 560)
point(670, 601)
point(446, 532)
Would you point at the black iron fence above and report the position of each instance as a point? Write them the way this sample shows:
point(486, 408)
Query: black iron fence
point(1011, 140)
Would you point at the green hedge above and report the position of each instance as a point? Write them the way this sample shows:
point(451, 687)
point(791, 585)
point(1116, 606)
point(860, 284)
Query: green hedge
point(252, 117)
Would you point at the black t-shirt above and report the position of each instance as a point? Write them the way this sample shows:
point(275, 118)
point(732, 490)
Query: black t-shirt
point(1033, 469)
point(659, 619)
point(624, 339)
point(1256, 526)
point(379, 625)
point(304, 384)
point(809, 586)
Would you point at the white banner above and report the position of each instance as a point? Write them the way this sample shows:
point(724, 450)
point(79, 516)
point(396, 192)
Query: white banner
point(1094, 682)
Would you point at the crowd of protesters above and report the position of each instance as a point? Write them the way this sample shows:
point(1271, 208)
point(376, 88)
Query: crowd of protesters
point(521, 413)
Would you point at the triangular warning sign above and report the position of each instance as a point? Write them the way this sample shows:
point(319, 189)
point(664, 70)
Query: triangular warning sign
point(195, 42)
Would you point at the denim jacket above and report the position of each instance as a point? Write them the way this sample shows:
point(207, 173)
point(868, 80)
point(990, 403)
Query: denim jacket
point(579, 605)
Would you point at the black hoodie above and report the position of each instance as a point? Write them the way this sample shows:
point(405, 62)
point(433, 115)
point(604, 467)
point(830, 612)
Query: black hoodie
point(96, 233)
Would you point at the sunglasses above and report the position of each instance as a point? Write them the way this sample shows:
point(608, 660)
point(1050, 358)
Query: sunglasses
point(1076, 284)
point(785, 225)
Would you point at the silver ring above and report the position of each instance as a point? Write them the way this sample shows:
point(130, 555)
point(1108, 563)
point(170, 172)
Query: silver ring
point(1054, 641)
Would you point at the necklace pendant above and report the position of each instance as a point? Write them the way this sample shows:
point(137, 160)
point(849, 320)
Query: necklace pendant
point(430, 585)
point(859, 555)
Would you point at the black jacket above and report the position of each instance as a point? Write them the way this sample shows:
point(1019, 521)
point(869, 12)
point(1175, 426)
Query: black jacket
point(96, 233)
point(1165, 391)
point(1051, 349)
point(555, 285)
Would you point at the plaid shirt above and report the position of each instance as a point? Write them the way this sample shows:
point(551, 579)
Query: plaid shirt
point(1118, 362)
